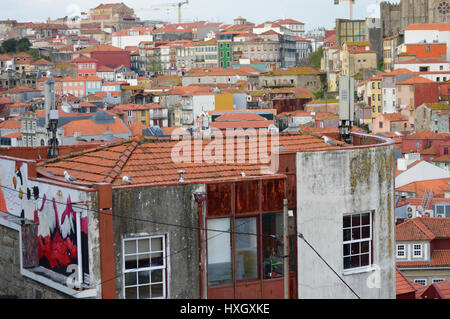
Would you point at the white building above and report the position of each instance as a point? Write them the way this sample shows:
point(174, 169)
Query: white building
point(131, 37)
point(426, 65)
point(429, 33)
point(295, 26)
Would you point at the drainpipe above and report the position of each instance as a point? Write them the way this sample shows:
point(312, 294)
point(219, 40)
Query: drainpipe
point(286, 248)
point(200, 198)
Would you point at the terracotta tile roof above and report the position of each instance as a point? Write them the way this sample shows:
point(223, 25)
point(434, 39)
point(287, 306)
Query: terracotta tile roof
point(82, 59)
point(439, 258)
point(5, 57)
point(149, 161)
point(19, 89)
point(42, 62)
point(14, 135)
point(438, 186)
point(416, 80)
point(89, 128)
point(443, 288)
point(415, 201)
point(429, 26)
point(442, 159)
point(424, 61)
point(227, 117)
point(16, 105)
point(402, 284)
point(11, 124)
point(423, 228)
point(394, 117)
point(136, 128)
point(425, 135)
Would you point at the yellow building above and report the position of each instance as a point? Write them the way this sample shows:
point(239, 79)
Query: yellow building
point(374, 96)
point(388, 56)
point(223, 102)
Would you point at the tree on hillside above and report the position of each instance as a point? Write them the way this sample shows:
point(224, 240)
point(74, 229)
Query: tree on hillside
point(23, 45)
point(9, 46)
point(316, 58)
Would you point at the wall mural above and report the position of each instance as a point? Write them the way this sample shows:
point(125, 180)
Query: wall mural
point(53, 209)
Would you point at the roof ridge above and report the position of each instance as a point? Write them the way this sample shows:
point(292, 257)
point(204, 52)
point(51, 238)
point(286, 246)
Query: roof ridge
point(423, 228)
point(117, 169)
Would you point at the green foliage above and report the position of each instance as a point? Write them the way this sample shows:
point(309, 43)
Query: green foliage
point(23, 45)
point(365, 127)
point(316, 58)
point(380, 66)
point(319, 94)
point(9, 46)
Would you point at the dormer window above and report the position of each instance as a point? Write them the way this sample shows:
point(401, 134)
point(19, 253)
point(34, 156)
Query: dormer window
point(417, 251)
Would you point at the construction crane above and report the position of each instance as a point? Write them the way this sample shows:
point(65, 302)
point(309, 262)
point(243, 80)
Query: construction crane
point(173, 4)
point(351, 3)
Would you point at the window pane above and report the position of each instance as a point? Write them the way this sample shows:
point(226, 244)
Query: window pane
point(130, 247)
point(131, 262)
point(144, 246)
point(347, 234)
point(246, 249)
point(365, 247)
point(365, 219)
point(157, 259)
point(364, 260)
point(144, 277)
point(347, 223)
point(130, 279)
point(157, 244)
point(356, 233)
point(131, 293)
point(272, 224)
point(144, 292)
point(355, 248)
point(356, 220)
point(365, 232)
point(219, 252)
point(347, 250)
point(144, 261)
point(347, 263)
point(354, 261)
point(157, 291)
point(157, 276)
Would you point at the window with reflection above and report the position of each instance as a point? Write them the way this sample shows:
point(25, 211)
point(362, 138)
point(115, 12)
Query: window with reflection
point(144, 269)
point(246, 248)
point(219, 252)
point(272, 250)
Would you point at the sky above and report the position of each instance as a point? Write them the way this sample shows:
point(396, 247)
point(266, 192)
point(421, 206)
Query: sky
point(315, 13)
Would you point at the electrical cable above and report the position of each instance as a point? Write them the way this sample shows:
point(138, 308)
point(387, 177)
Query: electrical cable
point(303, 238)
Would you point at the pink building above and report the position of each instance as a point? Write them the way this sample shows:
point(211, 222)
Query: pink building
point(393, 122)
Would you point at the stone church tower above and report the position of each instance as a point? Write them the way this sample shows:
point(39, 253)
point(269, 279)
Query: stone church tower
point(396, 17)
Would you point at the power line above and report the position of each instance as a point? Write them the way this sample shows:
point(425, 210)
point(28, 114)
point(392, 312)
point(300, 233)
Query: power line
point(303, 238)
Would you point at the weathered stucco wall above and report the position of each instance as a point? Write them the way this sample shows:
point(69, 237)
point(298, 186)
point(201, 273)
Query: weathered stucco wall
point(164, 205)
point(329, 185)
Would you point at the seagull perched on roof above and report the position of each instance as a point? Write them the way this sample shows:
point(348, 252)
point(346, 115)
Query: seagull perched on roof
point(68, 177)
point(126, 179)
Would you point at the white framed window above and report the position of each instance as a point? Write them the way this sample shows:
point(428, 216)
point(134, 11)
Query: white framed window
point(417, 251)
point(437, 280)
point(401, 251)
point(144, 267)
point(357, 240)
point(421, 281)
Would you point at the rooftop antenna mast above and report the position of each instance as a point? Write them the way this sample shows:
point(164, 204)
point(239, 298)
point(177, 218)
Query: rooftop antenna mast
point(51, 117)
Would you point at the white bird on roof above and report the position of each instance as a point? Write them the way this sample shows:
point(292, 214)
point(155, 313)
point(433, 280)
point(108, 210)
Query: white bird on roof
point(126, 179)
point(329, 141)
point(68, 177)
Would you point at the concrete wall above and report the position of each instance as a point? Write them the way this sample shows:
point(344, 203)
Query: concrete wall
point(329, 185)
point(173, 205)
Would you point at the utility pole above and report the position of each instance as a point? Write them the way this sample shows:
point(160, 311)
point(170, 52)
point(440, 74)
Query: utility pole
point(51, 118)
